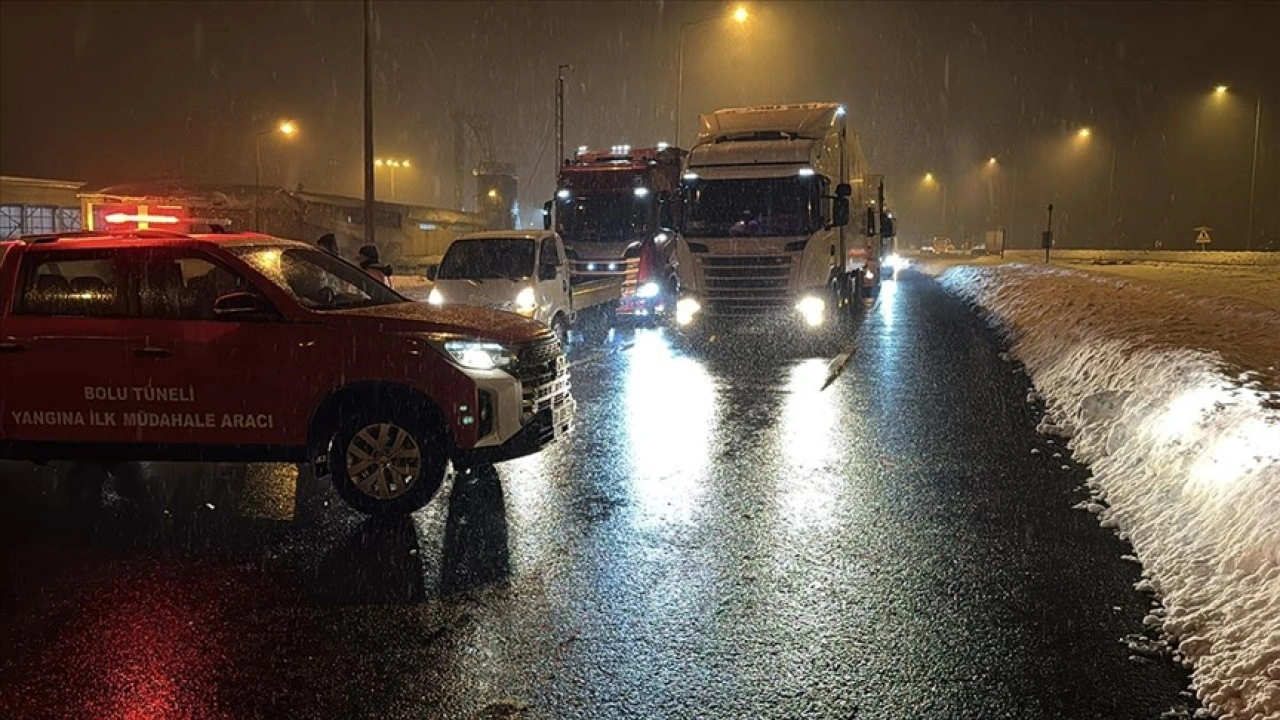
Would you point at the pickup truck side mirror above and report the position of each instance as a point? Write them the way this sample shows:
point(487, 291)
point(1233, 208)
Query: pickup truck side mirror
point(240, 306)
point(432, 271)
point(839, 211)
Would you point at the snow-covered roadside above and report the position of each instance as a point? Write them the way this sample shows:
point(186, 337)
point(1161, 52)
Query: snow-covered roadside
point(1175, 405)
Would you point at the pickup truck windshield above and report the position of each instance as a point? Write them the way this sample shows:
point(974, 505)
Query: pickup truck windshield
point(605, 217)
point(754, 207)
point(489, 258)
point(317, 280)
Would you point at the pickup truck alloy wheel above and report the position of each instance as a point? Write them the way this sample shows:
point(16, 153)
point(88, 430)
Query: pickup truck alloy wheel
point(383, 461)
point(388, 458)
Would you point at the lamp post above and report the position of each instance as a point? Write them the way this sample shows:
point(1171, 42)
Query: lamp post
point(740, 16)
point(1219, 92)
point(931, 181)
point(391, 164)
point(286, 128)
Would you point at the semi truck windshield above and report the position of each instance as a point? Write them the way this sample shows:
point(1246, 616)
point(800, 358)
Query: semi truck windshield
point(606, 217)
point(753, 207)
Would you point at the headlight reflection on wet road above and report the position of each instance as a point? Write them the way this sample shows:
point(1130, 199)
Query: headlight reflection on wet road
point(670, 414)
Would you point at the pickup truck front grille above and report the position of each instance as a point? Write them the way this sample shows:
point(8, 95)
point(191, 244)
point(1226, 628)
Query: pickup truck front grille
point(543, 375)
point(746, 284)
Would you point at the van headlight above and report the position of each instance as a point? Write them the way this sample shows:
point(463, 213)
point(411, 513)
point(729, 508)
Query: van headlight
point(435, 297)
point(648, 290)
point(526, 302)
point(813, 309)
point(479, 355)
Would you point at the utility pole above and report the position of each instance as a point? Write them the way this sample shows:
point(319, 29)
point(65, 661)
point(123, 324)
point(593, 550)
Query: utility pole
point(560, 70)
point(1047, 237)
point(368, 122)
point(1253, 172)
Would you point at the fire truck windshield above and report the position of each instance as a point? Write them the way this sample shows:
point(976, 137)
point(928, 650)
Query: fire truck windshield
point(754, 207)
point(605, 217)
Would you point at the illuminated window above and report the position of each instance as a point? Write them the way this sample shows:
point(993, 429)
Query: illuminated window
point(37, 220)
point(10, 221)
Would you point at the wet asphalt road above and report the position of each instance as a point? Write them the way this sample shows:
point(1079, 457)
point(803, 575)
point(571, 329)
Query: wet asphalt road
point(719, 539)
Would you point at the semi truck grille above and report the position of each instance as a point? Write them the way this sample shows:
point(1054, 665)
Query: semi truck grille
point(746, 284)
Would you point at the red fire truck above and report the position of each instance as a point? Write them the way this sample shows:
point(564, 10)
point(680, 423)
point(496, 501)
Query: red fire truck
point(617, 211)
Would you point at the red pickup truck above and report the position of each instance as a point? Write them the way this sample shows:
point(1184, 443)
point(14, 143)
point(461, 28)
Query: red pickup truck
point(243, 347)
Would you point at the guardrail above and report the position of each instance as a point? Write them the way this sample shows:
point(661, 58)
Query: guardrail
point(1196, 257)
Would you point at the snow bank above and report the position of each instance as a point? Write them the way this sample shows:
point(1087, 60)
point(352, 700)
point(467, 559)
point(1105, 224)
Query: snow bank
point(1176, 409)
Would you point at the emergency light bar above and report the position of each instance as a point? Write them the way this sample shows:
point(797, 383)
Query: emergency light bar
point(121, 218)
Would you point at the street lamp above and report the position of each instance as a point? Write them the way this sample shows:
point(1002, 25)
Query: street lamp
point(391, 164)
point(287, 128)
point(930, 181)
point(1220, 92)
point(740, 16)
point(1084, 133)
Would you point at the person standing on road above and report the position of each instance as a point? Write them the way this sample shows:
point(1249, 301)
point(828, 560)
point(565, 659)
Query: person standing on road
point(371, 262)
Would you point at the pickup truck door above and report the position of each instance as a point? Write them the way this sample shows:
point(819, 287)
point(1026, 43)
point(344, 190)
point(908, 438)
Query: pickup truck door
point(247, 380)
point(554, 286)
point(69, 343)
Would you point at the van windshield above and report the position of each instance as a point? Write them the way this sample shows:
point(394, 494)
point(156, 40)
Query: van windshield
point(317, 280)
point(488, 258)
point(753, 207)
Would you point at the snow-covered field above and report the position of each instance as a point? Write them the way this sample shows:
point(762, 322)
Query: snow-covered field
point(1173, 399)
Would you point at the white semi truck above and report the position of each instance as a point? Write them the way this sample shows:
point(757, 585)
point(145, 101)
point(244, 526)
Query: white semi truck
point(766, 234)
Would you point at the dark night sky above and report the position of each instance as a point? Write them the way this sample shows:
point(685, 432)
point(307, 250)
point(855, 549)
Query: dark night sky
point(116, 92)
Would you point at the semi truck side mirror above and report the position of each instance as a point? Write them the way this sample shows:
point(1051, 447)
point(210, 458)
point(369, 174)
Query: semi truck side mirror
point(546, 214)
point(888, 227)
point(871, 222)
point(844, 190)
point(839, 211)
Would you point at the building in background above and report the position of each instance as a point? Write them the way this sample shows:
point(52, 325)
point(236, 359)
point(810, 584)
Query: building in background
point(409, 237)
point(29, 206)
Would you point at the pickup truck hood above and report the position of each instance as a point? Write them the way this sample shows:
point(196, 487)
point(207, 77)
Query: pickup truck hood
point(463, 320)
point(494, 293)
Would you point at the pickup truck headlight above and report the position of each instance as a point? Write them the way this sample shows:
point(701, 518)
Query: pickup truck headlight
point(648, 290)
point(434, 297)
point(479, 355)
point(526, 302)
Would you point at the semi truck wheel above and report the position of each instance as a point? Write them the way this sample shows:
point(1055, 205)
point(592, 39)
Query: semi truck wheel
point(387, 460)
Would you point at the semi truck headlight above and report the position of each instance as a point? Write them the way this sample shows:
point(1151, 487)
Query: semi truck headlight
point(479, 355)
point(813, 309)
point(434, 297)
point(897, 262)
point(686, 308)
point(648, 290)
point(526, 302)
point(869, 274)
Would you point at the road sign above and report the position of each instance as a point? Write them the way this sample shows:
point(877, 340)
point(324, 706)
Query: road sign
point(1203, 237)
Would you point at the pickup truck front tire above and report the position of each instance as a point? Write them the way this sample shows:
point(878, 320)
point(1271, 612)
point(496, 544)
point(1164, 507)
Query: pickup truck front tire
point(387, 460)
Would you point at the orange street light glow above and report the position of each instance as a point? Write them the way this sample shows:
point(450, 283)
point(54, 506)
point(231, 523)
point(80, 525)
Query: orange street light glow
point(740, 15)
point(288, 128)
point(1084, 133)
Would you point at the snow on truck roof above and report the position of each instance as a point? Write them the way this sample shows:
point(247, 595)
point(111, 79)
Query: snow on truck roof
point(804, 120)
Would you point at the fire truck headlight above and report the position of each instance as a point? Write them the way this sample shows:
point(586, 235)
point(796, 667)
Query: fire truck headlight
point(686, 309)
point(648, 290)
point(479, 355)
point(435, 297)
point(812, 309)
point(526, 301)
